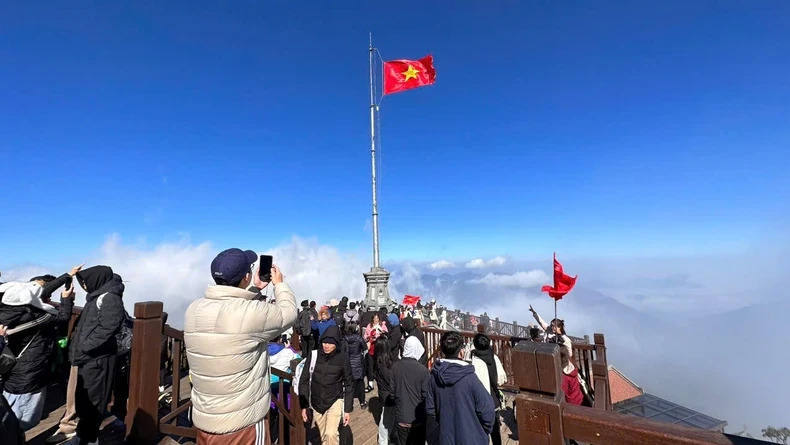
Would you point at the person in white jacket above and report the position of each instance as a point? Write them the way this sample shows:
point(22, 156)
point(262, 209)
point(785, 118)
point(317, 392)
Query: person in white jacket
point(491, 373)
point(226, 335)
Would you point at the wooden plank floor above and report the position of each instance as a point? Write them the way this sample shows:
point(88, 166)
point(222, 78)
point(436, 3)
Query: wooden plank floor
point(54, 408)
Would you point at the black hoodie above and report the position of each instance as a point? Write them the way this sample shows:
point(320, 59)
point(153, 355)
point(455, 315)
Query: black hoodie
point(332, 380)
point(94, 333)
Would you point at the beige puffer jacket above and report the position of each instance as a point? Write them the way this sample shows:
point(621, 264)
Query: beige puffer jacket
point(226, 335)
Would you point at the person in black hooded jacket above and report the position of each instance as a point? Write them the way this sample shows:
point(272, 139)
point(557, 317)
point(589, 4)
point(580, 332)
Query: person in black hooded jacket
point(94, 346)
point(354, 346)
point(22, 303)
point(410, 329)
point(330, 391)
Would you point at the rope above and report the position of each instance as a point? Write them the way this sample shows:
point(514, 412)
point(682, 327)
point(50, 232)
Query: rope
point(382, 71)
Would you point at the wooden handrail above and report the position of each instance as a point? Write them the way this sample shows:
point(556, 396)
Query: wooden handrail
point(598, 426)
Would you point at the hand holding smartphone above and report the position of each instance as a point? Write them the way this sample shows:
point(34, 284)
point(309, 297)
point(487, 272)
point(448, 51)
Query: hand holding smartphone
point(265, 268)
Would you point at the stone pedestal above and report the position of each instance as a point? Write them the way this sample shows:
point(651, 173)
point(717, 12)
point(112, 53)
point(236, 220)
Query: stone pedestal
point(378, 294)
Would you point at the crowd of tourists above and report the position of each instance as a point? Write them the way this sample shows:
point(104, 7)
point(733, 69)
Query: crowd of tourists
point(237, 338)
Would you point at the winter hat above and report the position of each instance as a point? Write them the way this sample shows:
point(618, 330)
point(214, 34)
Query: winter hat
point(333, 302)
point(25, 294)
point(331, 335)
point(413, 348)
point(305, 303)
point(393, 319)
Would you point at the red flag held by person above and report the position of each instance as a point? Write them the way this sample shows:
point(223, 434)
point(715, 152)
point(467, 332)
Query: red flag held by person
point(410, 300)
point(562, 283)
point(402, 75)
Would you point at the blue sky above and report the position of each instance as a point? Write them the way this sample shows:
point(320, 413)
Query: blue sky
point(592, 128)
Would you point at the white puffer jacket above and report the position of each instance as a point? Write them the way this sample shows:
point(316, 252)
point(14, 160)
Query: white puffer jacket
point(226, 335)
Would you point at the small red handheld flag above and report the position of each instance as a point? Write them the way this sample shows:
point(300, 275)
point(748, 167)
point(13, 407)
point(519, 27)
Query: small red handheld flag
point(562, 283)
point(410, 300)
point(402, 75)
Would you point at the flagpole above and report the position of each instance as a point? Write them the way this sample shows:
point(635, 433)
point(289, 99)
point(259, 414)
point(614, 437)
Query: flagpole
point(552, 268)
point(373, 160)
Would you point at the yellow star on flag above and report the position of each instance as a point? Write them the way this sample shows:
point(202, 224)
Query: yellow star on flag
point(411, 73)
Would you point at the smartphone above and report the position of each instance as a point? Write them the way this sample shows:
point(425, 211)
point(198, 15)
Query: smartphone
point(69, 283)
point(265, 271)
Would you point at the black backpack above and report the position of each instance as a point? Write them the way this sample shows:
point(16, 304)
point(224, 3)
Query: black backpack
point(124, 336)
point(303, 325)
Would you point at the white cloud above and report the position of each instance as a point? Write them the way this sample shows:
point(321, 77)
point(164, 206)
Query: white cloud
point(524, 280)
point(442, 264)
point(177, 273)
point(497, 261)
point(479, 263)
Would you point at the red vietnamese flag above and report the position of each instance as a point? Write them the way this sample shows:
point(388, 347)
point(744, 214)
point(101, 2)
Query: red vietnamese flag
point(402, 75)
point(562, 283)
point(410, 300)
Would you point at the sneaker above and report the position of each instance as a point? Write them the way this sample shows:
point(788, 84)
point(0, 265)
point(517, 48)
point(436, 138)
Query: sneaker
point(59, 437)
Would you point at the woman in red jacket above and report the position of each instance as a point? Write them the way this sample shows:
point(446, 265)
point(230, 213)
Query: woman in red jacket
point(570, 380)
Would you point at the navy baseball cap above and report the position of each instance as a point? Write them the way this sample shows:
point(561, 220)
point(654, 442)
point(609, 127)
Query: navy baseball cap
point(231, 265)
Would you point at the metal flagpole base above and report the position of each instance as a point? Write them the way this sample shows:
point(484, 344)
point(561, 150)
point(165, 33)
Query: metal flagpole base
point(378, 294)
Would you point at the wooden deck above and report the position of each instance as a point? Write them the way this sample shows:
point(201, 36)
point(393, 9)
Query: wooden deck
point(364, 423)
point(54, 408)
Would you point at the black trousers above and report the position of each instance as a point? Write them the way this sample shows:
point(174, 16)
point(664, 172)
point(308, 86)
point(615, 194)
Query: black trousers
point(496, 433)
point(371, 368)
point(414, 435)
point(94, 389)
point(359, 390)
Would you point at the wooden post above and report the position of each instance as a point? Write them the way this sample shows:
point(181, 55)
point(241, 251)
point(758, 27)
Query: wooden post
point(298, 432)
point(296, 341)
point(538, 375)
point(600, 371)
point(142, 418)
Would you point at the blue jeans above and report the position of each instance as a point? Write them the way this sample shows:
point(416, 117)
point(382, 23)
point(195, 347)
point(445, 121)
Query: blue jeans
point(27, 407)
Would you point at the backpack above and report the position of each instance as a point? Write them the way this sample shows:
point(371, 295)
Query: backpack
point(303, 325)
point(300, 369)
point(123, 338)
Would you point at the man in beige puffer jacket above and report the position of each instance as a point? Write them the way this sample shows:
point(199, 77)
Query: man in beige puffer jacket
point(226, 335)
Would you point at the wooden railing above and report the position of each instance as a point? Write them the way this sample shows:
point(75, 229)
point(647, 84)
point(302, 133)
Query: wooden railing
point(590, 360)
point(465, 321)
point(544, 418)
